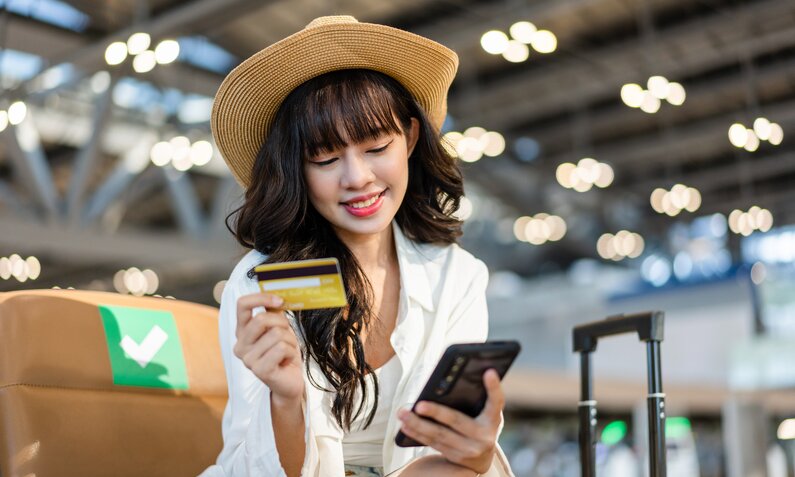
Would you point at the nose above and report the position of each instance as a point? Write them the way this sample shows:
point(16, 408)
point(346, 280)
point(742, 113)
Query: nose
point(358, 172)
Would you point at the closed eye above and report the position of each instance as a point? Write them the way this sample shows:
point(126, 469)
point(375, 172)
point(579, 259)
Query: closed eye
point(380, 149)
point(325, 163)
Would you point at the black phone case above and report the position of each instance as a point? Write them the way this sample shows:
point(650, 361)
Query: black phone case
point(466, 363)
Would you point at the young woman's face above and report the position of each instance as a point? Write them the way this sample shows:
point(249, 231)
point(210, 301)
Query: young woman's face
point(359, 188)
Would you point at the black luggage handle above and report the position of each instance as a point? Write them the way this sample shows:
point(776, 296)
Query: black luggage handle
point(649, 326)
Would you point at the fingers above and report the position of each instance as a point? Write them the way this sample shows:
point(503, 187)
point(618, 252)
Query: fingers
point(456, 420)
point(258, 326)
point(433, 434)
point(250, 330)
point(270, 339)
point(495, 401)
point(275, 356)
point(246, 303)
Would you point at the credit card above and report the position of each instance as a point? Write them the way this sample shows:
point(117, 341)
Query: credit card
point(304, 284)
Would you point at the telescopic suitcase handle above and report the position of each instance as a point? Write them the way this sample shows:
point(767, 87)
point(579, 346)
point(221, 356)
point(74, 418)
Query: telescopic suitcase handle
point(649, 327)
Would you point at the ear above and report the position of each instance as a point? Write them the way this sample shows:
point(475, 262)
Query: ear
point(412, 135)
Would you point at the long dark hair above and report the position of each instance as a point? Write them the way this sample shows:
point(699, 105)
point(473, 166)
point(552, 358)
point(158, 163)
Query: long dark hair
point(278, 220)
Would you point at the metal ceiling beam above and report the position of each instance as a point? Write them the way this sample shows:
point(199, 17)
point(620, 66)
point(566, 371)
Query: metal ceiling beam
point(703, 100)
point(122, 248)
point(49, 43)
point(192, 17)
point(705, 138)
point(462, 31)
point(749, 169)
point(23, 145)
point(86, 158)
point(184, 202)
point(128, 167)
point(699, 45)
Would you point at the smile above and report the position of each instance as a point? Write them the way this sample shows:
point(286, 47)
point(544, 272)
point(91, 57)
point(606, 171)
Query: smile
point(366, 207)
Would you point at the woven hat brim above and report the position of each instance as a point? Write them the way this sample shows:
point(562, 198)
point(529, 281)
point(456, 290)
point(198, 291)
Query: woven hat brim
point(249, 97)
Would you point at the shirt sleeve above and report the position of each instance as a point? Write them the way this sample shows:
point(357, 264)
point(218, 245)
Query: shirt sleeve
point(249, 443)
point(469, 320)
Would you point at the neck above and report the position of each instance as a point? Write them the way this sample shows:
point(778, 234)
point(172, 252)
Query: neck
point(372, 251)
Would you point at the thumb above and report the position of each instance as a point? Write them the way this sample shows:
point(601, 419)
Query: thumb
point(495, 398)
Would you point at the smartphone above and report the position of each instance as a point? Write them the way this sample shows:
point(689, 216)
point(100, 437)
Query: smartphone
point(457, 381)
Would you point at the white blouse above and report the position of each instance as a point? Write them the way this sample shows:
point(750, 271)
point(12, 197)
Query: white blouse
point(443, 301)
point(363, 446)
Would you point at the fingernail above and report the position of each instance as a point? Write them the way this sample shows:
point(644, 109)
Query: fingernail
point(278, 301)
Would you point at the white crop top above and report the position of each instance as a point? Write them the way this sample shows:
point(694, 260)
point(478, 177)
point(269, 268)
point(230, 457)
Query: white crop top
point(365, 446)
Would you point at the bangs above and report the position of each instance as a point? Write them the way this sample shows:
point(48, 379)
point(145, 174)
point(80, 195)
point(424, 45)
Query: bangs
point(347, 107)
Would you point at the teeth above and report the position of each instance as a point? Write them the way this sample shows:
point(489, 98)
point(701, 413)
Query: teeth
point(364, 203)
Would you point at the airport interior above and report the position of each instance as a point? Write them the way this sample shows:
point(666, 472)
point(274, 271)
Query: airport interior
point(622, 160)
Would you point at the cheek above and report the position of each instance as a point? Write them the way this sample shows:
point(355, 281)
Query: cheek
point(317, 188)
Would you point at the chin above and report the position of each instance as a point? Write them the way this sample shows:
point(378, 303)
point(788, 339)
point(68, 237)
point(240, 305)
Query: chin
point(372, 226)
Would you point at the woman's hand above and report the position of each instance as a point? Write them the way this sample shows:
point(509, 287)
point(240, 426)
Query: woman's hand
point(466, 441)
point(267, 345)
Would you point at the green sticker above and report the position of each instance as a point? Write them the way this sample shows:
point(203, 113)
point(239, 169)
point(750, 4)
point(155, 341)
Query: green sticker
point(144, 347)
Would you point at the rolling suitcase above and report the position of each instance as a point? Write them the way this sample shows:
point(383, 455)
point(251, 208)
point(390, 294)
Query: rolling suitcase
point(649, 327)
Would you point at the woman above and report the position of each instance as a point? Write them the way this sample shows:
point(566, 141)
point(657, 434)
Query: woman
point(334, 134)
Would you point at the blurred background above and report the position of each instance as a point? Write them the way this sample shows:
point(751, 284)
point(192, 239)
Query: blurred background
point(620, 155)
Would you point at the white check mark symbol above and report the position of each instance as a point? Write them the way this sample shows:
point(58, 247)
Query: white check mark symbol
point(144, 352)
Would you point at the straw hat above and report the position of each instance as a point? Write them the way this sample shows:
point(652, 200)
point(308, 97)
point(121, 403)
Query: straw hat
point(249, 97)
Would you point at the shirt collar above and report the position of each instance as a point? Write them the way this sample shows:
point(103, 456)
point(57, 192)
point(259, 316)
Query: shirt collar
point(413, 272)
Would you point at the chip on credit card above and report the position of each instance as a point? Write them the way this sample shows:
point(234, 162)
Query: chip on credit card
point(304, 284)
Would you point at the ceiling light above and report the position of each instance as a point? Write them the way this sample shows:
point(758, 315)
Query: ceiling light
point(762, 128)
point(138, 42)
point(167, 51)
point(776, 134)
point(34, 267)
point(17, 112)
point(200, 153)
point(564, 174)
point(650, 103)
point(544, 41)
point(751, 141)
point(519, 228)
point(523, 32)
point(540, 228)
point(469, 149)
point(494, 42)
point(587, 173)
point(152, 281)
point(182, 163)
point(657, 200)
point(161, 152)
point(474, 132)
point(676, 94)
point(115, 53)
point(606, 176)
point(494, 143)
point(557, 227)
point(738, 135)
point(632, 95)
point(658, 86)
point(624, 244)
point(144, 62)
point(516, 52)
point(745, 223)
point(672, 202)
point(786, 430)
